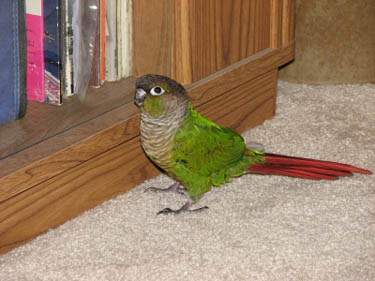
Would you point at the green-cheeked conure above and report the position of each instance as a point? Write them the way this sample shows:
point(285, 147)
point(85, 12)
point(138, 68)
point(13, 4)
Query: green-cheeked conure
point(200, 154)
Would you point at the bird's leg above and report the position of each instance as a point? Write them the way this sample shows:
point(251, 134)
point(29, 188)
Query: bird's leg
point(184, 208)
point(176, 187)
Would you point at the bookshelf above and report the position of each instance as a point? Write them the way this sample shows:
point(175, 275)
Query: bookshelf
point(53, 173)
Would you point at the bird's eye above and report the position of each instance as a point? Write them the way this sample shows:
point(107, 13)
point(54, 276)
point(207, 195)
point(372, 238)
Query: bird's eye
point(157, 91)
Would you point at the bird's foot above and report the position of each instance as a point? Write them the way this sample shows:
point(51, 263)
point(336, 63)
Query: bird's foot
point(184, 208)
point(176, 188)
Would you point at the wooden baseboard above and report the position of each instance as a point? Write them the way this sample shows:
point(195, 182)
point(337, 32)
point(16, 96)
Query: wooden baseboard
point(48, 191)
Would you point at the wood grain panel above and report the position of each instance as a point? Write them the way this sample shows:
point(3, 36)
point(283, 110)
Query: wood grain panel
point(250, 98)
point(68, 158)
point(181, 53)
point(203, 37)
point(223, 32)
point(288, 22)
point(153, 36)
point(246, 69)
point(276, 23)
point(56, 200)
point(282, 23)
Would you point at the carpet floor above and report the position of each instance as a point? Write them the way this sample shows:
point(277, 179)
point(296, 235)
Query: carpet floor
point(256, 227)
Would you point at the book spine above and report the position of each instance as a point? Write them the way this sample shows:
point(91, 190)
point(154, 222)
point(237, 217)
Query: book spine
point(111, 41)
point(127, 35)
point(124, 38)
point(52, 57)
point(22, 53)
point(66, 40)
point(119, 37)
point(13, 61)
point(95, 66)
point(35, 50)
point(103, 36)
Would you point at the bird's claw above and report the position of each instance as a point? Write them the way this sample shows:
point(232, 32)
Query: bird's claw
point(152, 188)
point(176, 187)
point(167, 211)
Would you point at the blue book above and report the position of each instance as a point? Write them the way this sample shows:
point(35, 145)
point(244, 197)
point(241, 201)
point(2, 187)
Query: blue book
point(12, 60)
point(52, 58)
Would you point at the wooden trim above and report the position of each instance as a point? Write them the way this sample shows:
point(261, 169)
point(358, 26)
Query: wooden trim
point(287, 33)
point(182, 54)
point(110, 162)
point(276, 23)
point(282, 23)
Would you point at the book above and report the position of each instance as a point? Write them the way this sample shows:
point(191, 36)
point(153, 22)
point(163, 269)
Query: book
point(98, 63)
point(118, 39)
point(96, 60)
point(52, 59)
point(66, 47)
point(103, 33)
point(35, 50)
point(95, 80)
point(124, 38)
point(119, 45)
point(111, 41)
point(85, 25)
point(13, 100)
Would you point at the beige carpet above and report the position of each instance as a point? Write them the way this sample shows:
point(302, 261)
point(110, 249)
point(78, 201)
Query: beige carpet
point(257, 227)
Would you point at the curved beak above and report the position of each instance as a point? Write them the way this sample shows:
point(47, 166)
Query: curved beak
point(140, 96)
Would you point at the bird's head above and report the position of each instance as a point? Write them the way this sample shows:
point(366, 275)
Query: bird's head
point(159, 95)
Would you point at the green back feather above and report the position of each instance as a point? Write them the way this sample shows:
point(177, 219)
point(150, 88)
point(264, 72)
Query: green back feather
point(206, 154)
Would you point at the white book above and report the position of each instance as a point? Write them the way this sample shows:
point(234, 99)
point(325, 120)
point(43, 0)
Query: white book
point(126, 34)
point(111, 41)
point(124, 38)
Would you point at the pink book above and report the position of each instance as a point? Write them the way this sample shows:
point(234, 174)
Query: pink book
point(35, 50)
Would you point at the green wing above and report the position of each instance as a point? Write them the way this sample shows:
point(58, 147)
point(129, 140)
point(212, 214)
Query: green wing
point(206, 154)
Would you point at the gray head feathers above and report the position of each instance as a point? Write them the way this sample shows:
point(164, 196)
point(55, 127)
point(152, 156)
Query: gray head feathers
point(146, 82)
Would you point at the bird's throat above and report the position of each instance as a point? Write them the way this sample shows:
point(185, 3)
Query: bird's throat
point(157, 134)
point(154, 106)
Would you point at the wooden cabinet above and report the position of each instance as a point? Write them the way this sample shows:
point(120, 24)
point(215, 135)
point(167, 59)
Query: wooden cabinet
point(191, 39)
point(227, 53)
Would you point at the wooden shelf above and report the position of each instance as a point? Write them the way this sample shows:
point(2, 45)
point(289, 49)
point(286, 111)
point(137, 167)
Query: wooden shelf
point(44, 121)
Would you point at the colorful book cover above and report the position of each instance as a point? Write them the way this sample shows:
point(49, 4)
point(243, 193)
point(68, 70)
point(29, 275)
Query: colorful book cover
point(35, 50)
point(52, 59)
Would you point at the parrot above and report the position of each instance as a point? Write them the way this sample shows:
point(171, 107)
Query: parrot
point(199, 154)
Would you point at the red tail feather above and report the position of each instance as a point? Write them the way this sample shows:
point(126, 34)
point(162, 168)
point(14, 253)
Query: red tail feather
point(275, 164)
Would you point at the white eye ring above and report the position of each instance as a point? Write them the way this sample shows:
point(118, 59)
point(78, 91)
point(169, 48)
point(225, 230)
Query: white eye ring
point(157, 91)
